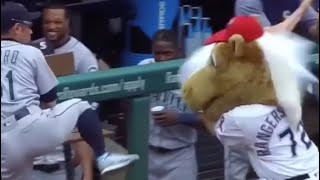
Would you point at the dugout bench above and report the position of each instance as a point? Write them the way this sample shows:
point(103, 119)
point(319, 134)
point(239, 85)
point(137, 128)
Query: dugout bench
point(135, 83)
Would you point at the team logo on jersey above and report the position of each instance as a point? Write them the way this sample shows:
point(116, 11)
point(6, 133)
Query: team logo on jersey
point(43, 45)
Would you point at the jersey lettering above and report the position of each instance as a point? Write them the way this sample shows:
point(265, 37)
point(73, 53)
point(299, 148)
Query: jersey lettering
point(170, 100)
point(43, 45)
point(9, 56)
point(266, 131)
point(269, 126)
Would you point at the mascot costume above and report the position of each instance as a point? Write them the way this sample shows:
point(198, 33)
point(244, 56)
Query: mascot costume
point(246, 84)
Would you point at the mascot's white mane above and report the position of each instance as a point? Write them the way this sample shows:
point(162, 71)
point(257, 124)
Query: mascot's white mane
point(286, 54)
point(198, 60)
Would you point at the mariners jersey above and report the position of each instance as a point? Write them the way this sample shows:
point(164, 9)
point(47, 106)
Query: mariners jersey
point(45, 46)
point(170, 137)
point(276, 151)
point(84, 60)
point(25, 75)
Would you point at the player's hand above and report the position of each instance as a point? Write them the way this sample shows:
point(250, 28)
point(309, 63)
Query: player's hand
point(166, 118)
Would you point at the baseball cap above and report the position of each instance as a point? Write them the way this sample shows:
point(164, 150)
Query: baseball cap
point(246, 26)
point(12, 13)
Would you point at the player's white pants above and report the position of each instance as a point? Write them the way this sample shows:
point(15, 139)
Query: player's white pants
point(175, 165)
point(37, 134)
point(236, 164)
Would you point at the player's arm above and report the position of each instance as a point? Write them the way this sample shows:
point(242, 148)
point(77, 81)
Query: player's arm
point(171, 117)
point(304, 16)
point(190, 119)
point(229, 133)
point(46, 81)
point(291, 22)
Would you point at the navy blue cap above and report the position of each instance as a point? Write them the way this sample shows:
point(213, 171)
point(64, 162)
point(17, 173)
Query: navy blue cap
point(12, 13)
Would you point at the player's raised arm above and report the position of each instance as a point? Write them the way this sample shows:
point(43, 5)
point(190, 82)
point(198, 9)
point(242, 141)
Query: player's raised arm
point(46, 81)
point(304, 14)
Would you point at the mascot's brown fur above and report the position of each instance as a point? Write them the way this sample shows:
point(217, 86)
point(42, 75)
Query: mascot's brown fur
point(239, 76)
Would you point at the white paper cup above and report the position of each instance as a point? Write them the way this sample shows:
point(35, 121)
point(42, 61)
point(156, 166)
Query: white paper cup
point(157, 109)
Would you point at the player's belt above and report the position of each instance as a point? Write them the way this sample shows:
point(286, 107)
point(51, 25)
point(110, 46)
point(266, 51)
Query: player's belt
point(164, 150)
point(21, 113)
point(300, 177)
point(10, 123)
point(48, 168)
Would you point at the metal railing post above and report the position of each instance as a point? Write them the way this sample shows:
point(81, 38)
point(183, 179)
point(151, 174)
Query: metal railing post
point(138, 135)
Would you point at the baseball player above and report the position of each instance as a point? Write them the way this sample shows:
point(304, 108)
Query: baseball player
point(172, 137)
point(27, 131)
point(57, 37)
point(57, 40)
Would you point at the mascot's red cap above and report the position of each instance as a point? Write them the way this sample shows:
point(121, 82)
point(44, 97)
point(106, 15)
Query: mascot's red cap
point(246, 26)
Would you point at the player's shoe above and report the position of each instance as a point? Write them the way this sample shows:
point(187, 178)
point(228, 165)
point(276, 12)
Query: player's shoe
point(113, 161)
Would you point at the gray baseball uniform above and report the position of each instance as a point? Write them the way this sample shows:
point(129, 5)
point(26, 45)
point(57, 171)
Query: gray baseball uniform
point(179, 160)
point(26, 130)
point(84, 62)
point(83, 57)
